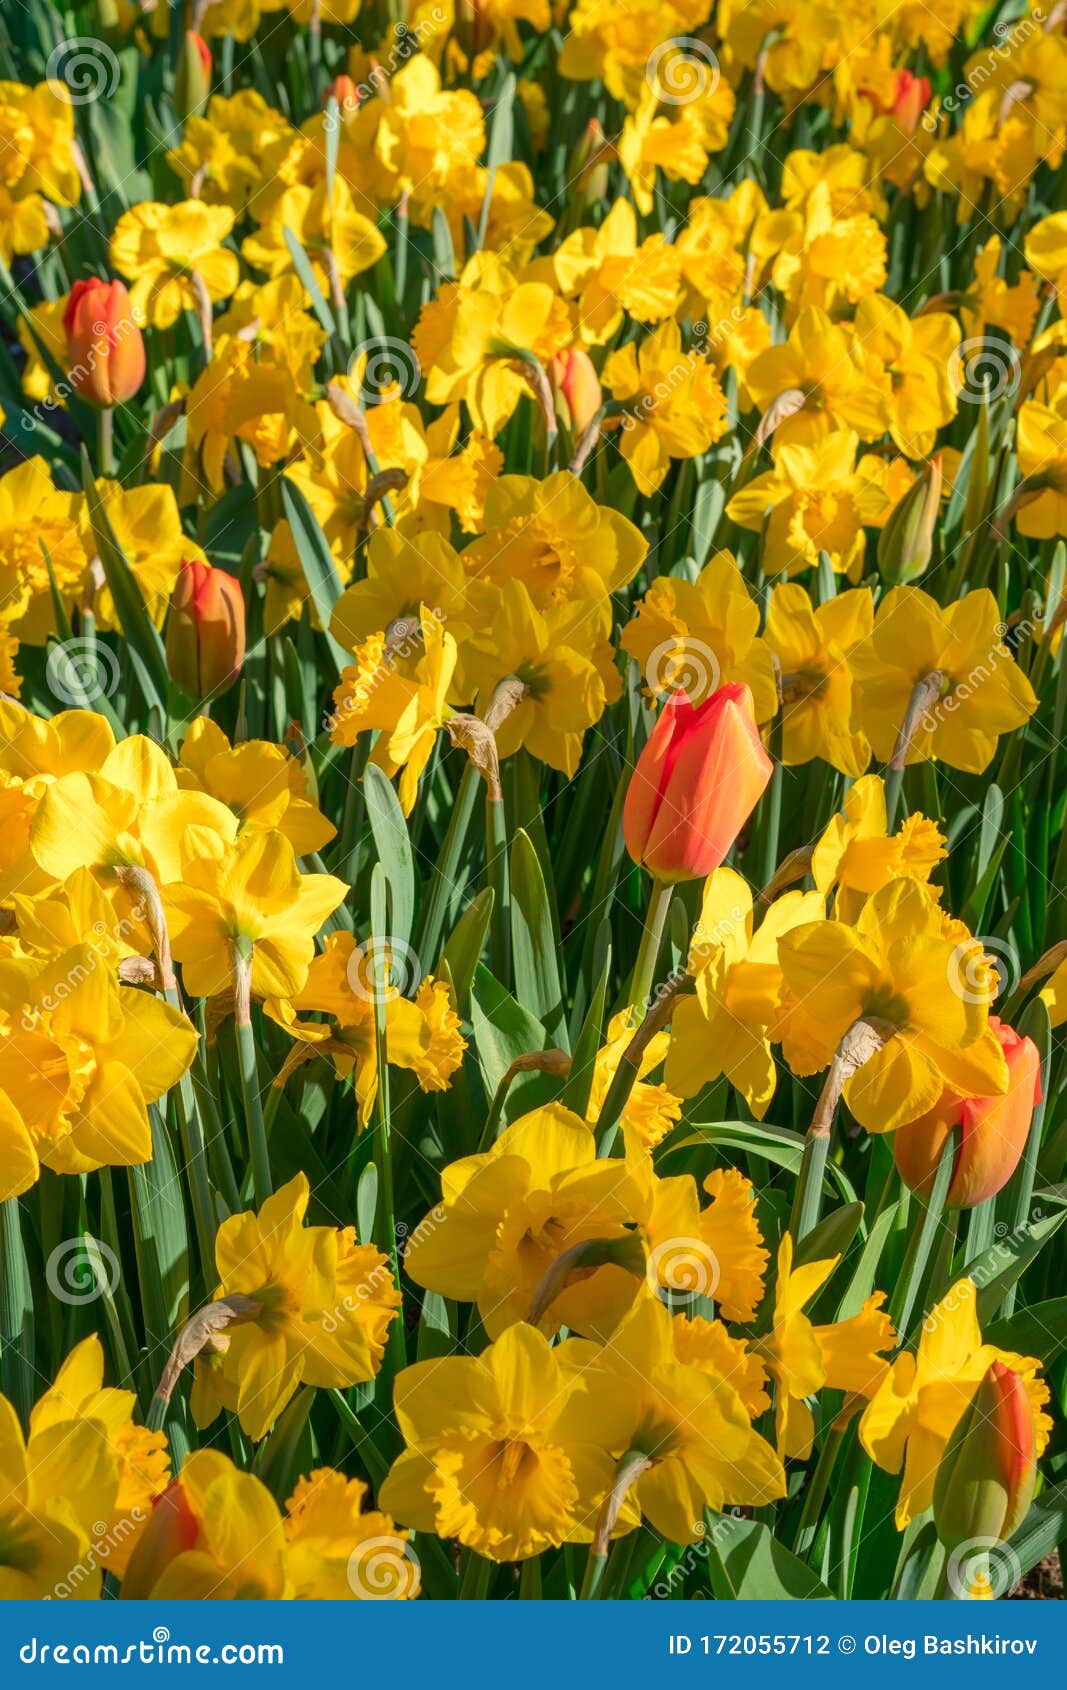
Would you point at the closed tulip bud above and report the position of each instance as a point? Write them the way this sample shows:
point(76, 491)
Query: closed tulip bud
point(105, 346)
point(696, 783)
point(910, 99)
point(575, 389)
point(345, 92)
point(992, 1130)
point(474, 26)
point(192, 81)
point(171, 1530)
point(587, 166)
point(205, 630)
point(986, 1478)
point(906, 543)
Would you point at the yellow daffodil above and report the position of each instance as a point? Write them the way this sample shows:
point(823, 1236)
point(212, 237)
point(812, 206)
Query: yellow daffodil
point(724, 1029)
point(858, 856)
point(673, 404)
point(324, 1304)
point(553, 537)
point(919, 1403)
point(820, 365)
point(408, 711)
point(977, 690)
point(246, 899)
point(699, 635)
point(263, 786)
point(803, 1358)
point(613, 274)
point(562, 663)
point(33, 513)
point(343, 983)
point(815, 499)
point(175, 257)
point(923, 983)
point(813, 644)
point(509, 1452)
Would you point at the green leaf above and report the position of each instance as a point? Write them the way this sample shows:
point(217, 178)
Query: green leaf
point(832, 1236)
point(394, 852)
point(501, 146)
point(1040, 1330)
point(317, 562)
point(579, 1085)
point(367, 1201)
point(1043, 1530)
point(535, 956)
point(302, 266)
point(141, 633)
point(437, 1322)
point(747, 1564)
point(998, 1268)
point(503, 1030)
point(463, 947)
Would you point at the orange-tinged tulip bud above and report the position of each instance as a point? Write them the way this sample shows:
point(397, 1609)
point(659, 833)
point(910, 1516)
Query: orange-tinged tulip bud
point(171, 1529)
point(205, 630)
point(910, 99)
point(104, 343)
point(587, 166)
point(192, 81)
point(696, 783)
point(345, 92)
point(575, 388)
point(986, 1478)
point(993, 1130)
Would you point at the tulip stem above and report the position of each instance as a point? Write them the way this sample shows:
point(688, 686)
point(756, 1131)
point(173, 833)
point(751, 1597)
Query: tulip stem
point(105, 440)
point(447, 863)
point(921, 1241)
point(648, 953)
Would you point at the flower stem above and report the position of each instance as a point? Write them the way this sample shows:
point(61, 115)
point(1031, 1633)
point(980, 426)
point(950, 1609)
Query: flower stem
point(648, 953)
point(246, 1052)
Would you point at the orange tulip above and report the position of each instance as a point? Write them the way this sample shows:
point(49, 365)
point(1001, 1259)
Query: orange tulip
point(345, 92)
point(696, 783)
point(104, 343)
point(205, 630)
point(170, 1530)
point(993, 1130)
point(192, 83)
point(575, 389)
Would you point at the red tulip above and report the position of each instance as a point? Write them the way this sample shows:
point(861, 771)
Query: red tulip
point(104, 343)
point(205, 630)
point(993, 1130)
point(696, 783)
